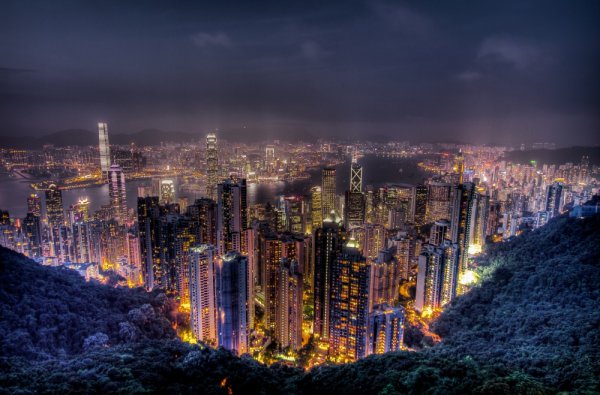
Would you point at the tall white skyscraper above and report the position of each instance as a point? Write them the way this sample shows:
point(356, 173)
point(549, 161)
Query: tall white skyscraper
point(202, 293)
point(117, 192)
point(104, 147)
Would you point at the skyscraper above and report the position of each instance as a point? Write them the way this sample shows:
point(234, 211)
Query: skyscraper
point(350, 275)
point(439, 232)
point(386, 330)
point(203, 310)
point(270, 260)
point(461, 224)
point(385, 279)
point(234, 302)
point(212, 166)
point(554, 199)
point(327, 244)
point(439, 201)
point(429, 280)
point(459, 167)
point(355, 177)
point(34, 205)
point(420, 205)
point(328, 189)
point(204, 212)
point(288, 325)
point(232, 216)
point(54, 206)
point(117, 192)
point(316, 209)
point(104, 148)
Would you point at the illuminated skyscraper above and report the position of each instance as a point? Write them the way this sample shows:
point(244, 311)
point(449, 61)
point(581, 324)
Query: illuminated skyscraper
point(234, 301)
point(81, 242)
point(316, 209)
point(459, 167)
point(450, 272)
point(355, 177)
point(350, 275)
point(270, 260)
point(385, 279)
point(167, 190)
point(34, 205)
point(104, 148)
point(420, 205)
point(204, 212)
point(371, 239)
point(232, 216)
point(117, 192)
point(554, 199)
point(54, 206)
point(288, 325)
point(461, 225)
point(328, 243)
point(440, 231)
point(212, 166)
point(32, 227)
point(328, 181)
point(202, 293)
point(439, 201)
point(429, 280)
point(386, 330)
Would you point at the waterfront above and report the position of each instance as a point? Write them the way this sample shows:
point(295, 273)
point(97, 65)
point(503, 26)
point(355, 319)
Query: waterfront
point(376, 171)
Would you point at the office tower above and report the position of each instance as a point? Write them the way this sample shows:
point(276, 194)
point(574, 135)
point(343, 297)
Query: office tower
point(81, 242)
point(54, 206)
point(294, 214)
point(204, 212)
point(386, 330)
point(421, 204)
point(167, 190)
point(439, 201)
point(350, 274)
point(463, 209)
point(117, 192)
point(270, 259)
point(328, 180)
point(288, 325)
point(34, 205)
point(355, 177)
point(385, 279)
point(480, 223)
point(371, 239)
point(429, 280)
point(328, 241)
point(459, 167)
point(316, 209)
point(32, 226)
point(403, 248)
point(134, 258)
point(554, 198)
point(400, 198)
point(104, 148)
point(212, 166)
point(148, 218)
point(450, 272)
point(232, 216)
point(354, 209)
point(270, 158)
point(234, 301)
point(81, 210)
point(439, 232)
point(203, 310)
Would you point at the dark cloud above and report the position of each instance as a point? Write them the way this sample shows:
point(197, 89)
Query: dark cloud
point(483, 71)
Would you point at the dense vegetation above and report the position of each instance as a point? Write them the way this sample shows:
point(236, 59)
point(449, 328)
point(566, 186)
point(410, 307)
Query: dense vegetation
point(531, 327)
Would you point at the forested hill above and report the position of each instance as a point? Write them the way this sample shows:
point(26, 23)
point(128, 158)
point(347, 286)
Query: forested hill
point(532, 326)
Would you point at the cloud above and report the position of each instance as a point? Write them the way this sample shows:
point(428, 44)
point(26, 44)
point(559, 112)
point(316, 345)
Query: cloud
point(205, 40)
point(520, 54)
point(313, 51)
point(401, 18)
point(469, 75)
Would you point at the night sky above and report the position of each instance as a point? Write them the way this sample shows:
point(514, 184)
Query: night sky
point(487, 72)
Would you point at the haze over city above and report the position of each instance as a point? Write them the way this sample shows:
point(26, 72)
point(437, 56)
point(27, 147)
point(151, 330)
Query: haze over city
point(485, 72)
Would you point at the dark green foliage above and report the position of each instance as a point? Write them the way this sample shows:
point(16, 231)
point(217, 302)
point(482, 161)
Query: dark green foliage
point(532, 327)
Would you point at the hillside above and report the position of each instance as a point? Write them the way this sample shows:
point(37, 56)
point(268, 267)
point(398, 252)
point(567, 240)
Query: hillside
point(555, 156)
point(532, 326)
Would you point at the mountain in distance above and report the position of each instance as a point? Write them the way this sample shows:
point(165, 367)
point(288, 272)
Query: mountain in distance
point(555, 156)
point(531, 326)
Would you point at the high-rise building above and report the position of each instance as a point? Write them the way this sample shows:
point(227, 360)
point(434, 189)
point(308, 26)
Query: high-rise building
point(371, 239)
point(403, 247)
point(356, 177)
point(439, 201)
point(328, 241)
point(386, 330)
point(81, 242)
point(385, 279)
point(104, 148)
point(34, 205)
point(421, 205)
point(288, 326)
point(234, 301)
point(270, 260)
point(316, 209)
point(350, 275)
point(450, 272)
point(204, 212)
point(439, 232)
point(202, 293)
point(167, 190)
point(328, 188)
point(459, 167)
point(354, 209)
point(117, 192)
point(554, 199)
point(32, 226)
point(212, 166)
point(429, 280)
point(461, 224)
point(54, 206)
point(232, 216)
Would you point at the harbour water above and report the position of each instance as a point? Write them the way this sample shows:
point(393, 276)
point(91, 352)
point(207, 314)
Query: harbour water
point(376, 171)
